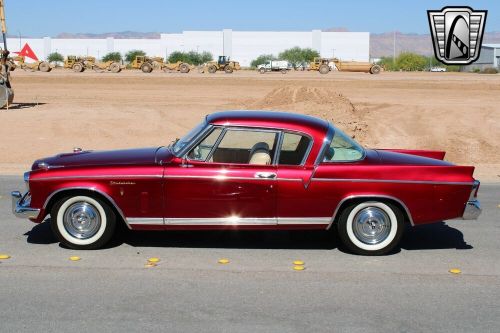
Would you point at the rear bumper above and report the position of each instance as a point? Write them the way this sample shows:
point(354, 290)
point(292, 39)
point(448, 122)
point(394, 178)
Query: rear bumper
point(472, 207)
point(472, 210)
point(21, 206)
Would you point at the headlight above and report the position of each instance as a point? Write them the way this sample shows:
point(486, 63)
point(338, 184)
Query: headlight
point(27, 180)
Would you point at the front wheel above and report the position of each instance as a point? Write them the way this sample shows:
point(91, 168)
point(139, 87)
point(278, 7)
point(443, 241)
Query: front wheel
point(82, 222)
point(371, 227)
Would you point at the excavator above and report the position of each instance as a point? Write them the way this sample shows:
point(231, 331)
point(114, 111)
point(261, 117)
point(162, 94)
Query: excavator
point(6, 92)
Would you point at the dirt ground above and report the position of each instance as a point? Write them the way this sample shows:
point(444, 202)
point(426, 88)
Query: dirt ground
point(56, 111)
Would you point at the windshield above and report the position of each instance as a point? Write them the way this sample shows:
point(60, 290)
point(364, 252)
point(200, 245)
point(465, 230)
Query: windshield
point(179, 144)
point(343, 148)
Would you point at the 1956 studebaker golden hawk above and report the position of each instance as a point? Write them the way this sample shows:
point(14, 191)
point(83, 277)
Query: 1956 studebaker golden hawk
point(249, 170)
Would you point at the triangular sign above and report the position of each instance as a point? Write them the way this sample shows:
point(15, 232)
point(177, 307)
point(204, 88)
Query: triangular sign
point(27, 52)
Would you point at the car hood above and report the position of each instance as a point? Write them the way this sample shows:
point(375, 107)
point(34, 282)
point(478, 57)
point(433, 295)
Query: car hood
point(140, 156)
point(399, 158)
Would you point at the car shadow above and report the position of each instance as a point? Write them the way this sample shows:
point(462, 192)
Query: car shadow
point(433, 236)
point(426, 237)
point(18, 106)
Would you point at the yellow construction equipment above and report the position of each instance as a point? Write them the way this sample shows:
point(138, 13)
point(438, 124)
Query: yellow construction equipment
point(42, 66)
point(222, 64)
point(148, 64)
point(80, 64)
point(325, 65)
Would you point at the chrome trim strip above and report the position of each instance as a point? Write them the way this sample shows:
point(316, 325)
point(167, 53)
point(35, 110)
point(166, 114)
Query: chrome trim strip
point(98, 177)
point(375, 196)
point(233, 220)
point(398, 181)
point(304, 220)
point(88, 189)
point(146, 220)
point(217, 177)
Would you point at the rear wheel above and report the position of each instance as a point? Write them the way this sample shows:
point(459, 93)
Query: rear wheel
point(228, 69)
point(114, 67)
point(375, 69)
point(184, 68)
point(82, 222)
point(283, 71)
point(44, 67)
point(324, 69)
point(78, 67)
point(212, 69)
point(371, 227)
point(146, 67)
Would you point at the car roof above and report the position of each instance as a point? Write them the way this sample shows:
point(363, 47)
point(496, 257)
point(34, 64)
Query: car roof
point(277, 119)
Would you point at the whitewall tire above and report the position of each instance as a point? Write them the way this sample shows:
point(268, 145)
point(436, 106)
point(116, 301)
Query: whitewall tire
point(371, 227)
point(82, 222)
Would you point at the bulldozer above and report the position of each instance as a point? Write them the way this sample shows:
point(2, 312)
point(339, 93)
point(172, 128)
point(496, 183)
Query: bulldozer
point(19, 61)
point(222, 64)
point(325, 65)
point(80, 64)
point(148, 64)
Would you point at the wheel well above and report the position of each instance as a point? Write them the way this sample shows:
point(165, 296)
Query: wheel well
point(349, 201)
point(91, 193)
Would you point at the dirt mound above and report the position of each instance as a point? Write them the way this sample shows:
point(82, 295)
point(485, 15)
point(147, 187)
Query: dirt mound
point(325, 103)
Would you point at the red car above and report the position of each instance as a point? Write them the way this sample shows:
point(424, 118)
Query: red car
point(249, 170)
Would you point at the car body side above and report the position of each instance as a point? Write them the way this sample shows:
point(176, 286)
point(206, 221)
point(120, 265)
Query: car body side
point(309, 196)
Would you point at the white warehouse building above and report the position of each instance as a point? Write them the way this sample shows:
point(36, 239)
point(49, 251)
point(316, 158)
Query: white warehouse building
point(243, 46)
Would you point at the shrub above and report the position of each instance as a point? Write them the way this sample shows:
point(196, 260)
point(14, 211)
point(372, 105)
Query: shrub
point(411, 62)
point(192, 57)
point(130, 55)
point(112, 56)
point(297, 55)
point(55, 57)
point(490, 70)
point(262, 59)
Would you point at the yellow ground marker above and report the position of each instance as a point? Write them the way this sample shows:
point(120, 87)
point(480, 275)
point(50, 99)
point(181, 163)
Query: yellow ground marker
point(74, 258)
point(298, 268)
point(298, 262)
point(223, 261)
point(455, 271)
point(150, 265)
point(153, 260)
point(4, 256)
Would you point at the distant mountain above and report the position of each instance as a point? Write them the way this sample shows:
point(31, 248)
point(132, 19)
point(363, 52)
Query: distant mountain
point(117, 35)
point(383, 44)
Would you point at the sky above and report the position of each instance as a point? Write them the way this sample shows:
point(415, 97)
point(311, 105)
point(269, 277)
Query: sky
point(37, 18)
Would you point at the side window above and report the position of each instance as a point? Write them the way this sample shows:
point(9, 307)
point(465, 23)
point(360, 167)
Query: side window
point(246, 147)
point(293, 149)
point(203, 149)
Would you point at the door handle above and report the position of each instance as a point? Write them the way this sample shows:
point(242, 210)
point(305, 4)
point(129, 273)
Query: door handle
point(266, 175)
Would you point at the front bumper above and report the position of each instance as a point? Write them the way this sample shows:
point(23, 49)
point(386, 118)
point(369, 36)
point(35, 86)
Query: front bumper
point(21, 206)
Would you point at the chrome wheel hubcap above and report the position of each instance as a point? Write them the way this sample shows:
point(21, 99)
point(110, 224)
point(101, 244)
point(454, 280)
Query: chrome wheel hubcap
point(371, 225)
point(82, 220)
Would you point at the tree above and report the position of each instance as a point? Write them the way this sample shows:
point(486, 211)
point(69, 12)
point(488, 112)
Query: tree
point(130, 55)
point(112, 56)
point(192, 57)
point(55, 57)
point(262, 59)
point(297, 55)
point(408, 61)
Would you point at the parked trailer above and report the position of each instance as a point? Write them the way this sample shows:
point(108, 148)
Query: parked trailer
point(274, 66)
point(325, 65)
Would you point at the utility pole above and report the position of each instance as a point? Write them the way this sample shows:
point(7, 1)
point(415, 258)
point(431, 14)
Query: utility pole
point(394, 47)
point(4, 27)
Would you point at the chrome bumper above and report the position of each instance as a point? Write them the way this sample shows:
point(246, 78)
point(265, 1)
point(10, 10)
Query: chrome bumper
point(21, 205)
point(472, 207)
point(472, 210)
